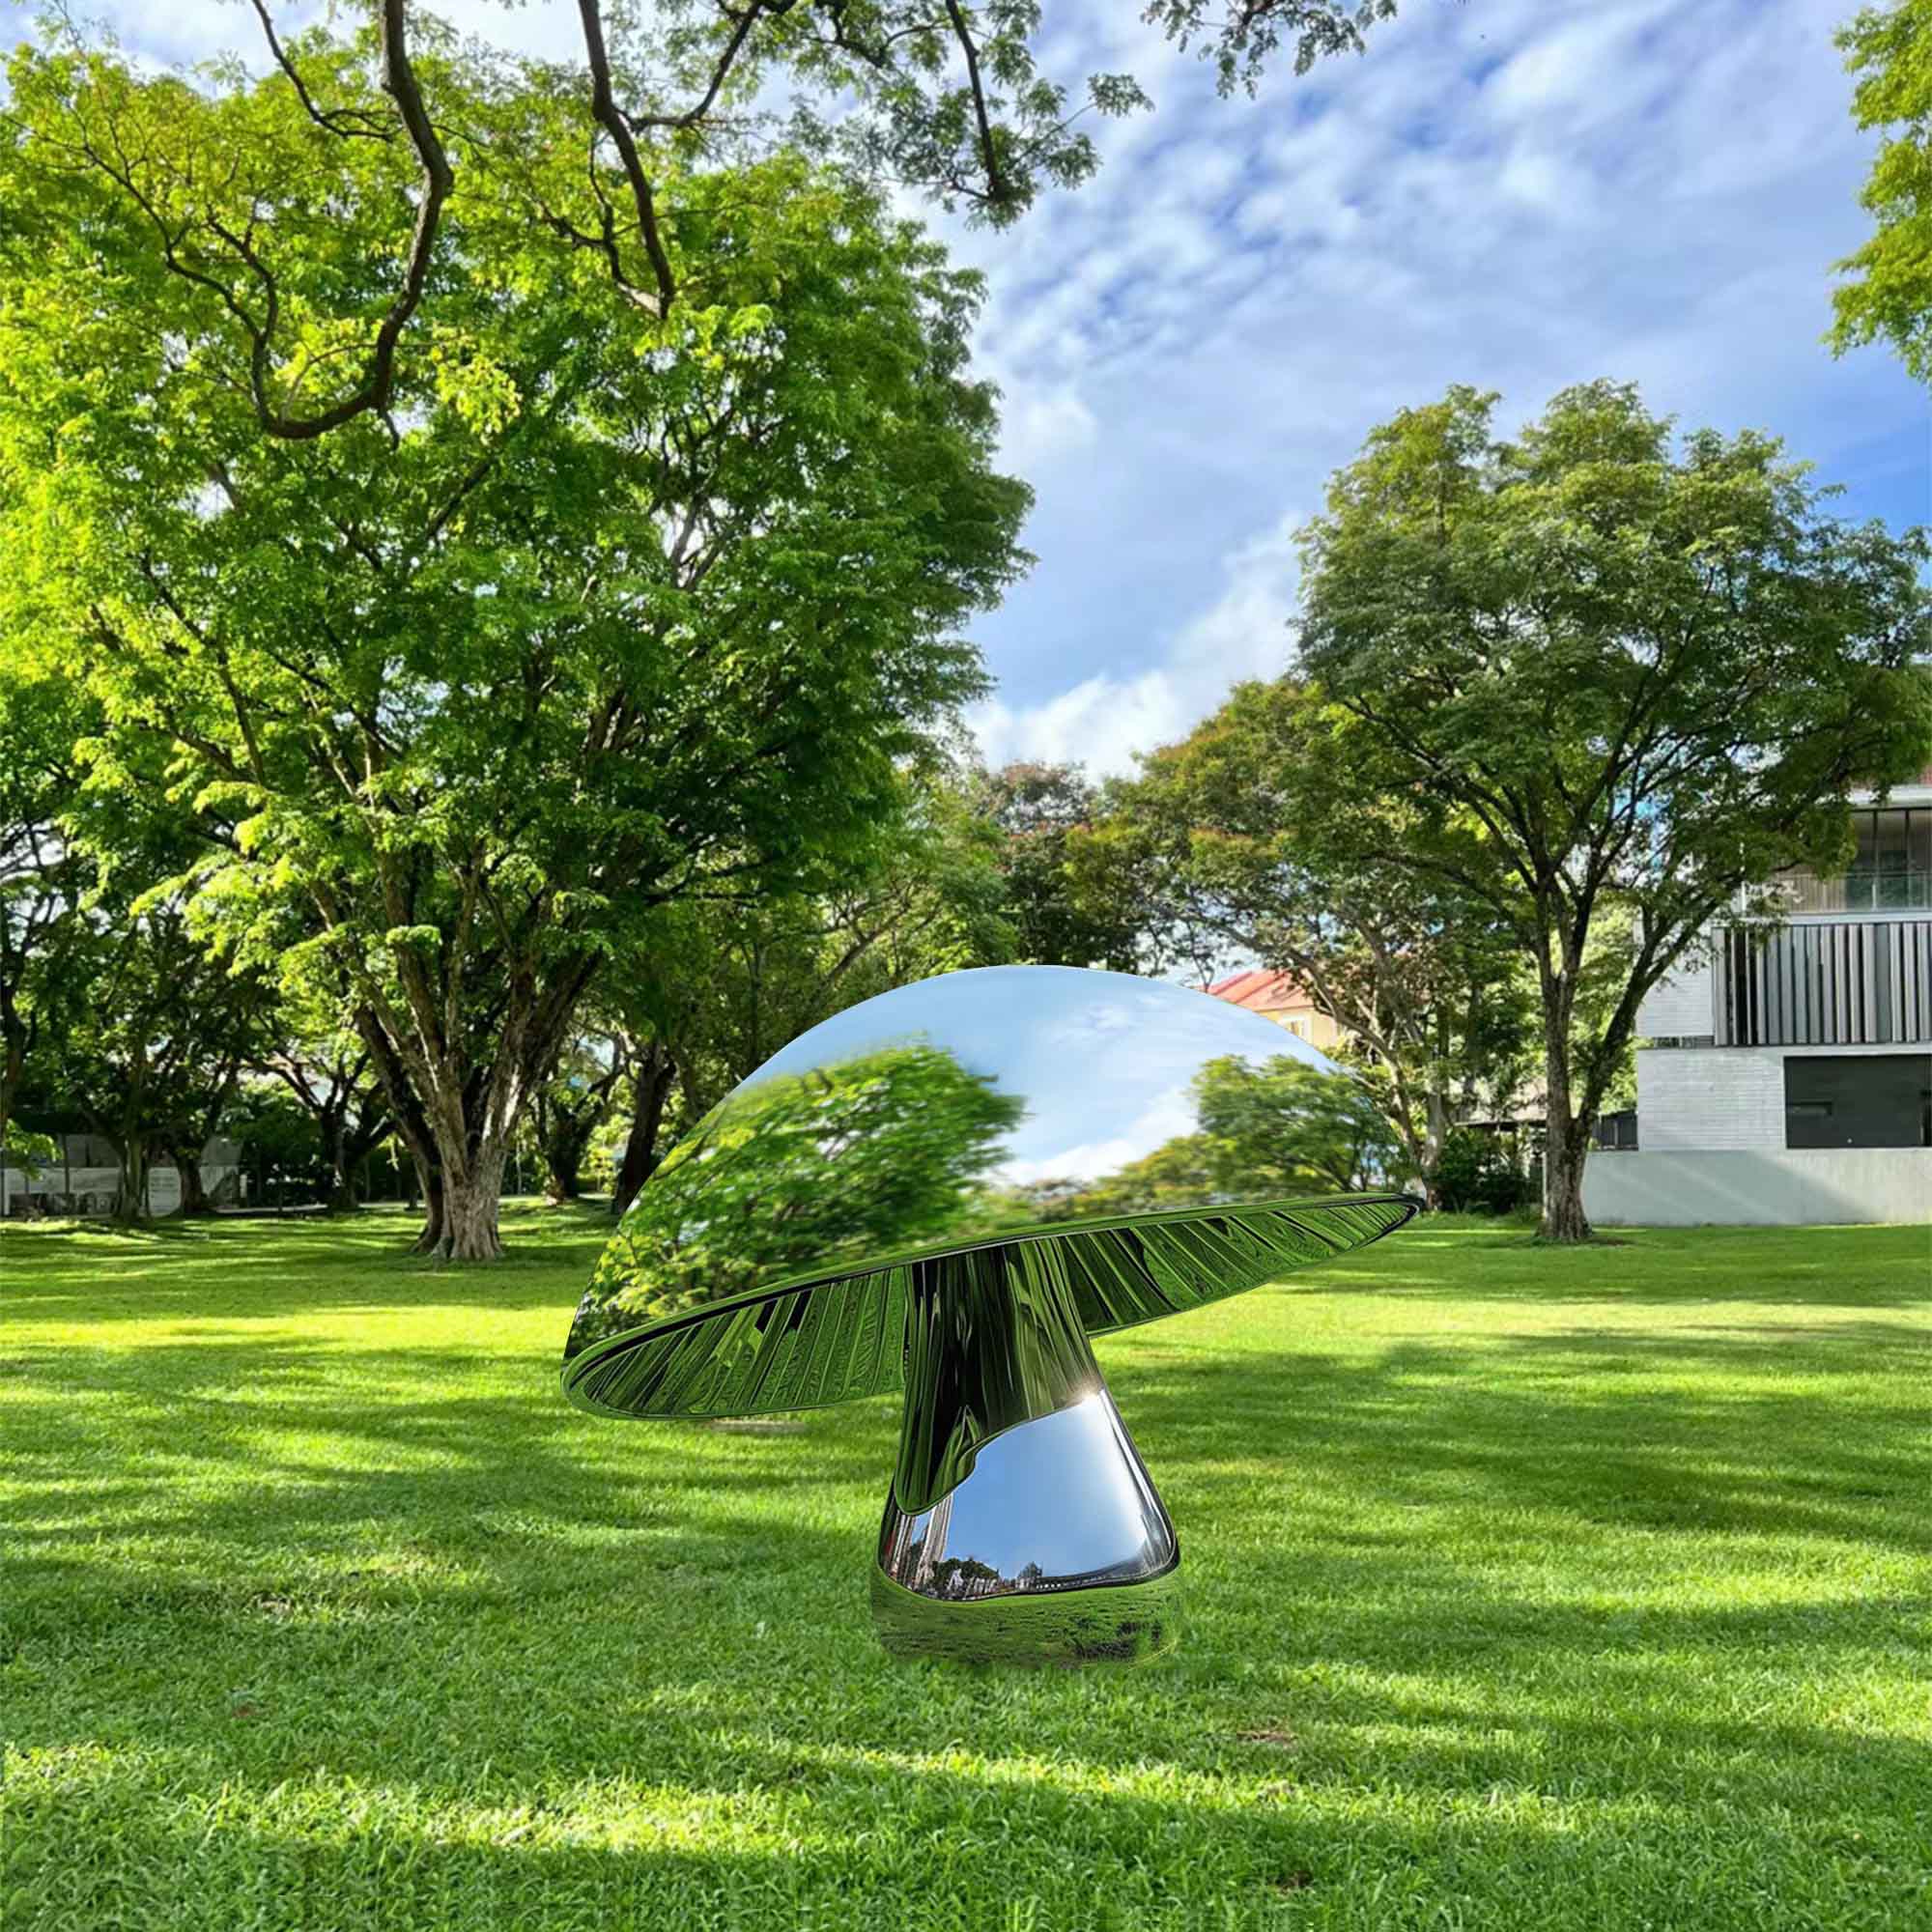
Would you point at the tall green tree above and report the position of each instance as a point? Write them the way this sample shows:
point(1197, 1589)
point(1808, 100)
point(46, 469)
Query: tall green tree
point(1888, 293)
point(601, 156)
point(1606, 681)
point(43, 879)
point(735, 982)
point(330, 1074)
point(1039, 811)
point(603, 610)
point(1256, 837)
point(154, 1048)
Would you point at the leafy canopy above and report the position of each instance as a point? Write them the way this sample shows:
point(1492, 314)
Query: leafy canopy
point(606, 611)
point(1604, 680)
point(1888, 297)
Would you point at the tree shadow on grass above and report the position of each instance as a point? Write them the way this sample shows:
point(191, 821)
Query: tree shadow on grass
point(759, 1825)
point(228, 1270)
point(362, 1570)
point(1585, 1429)
point(1843, 1266)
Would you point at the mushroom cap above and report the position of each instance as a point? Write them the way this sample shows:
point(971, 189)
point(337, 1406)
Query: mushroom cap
point(1132, 1123)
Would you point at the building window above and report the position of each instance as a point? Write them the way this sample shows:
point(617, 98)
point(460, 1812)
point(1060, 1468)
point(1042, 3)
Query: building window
point(1868, 1099)
point(1891, 869)
point(1299, 1026)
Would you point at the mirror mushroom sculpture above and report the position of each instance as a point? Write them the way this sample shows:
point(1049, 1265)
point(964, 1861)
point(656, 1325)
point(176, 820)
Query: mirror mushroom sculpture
point(946, 1191)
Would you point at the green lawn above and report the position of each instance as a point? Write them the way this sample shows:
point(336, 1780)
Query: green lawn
point(1526, 1588)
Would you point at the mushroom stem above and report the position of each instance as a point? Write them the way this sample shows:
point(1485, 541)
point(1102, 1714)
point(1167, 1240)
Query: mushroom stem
point(1022, 1524)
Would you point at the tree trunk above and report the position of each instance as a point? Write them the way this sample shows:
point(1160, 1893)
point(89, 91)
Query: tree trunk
point(131, 1194)
point(429, 1183)
point(561, 1173)
point(341, 1195)
point(656, 1074)
point(1436, 1111)
point(194, 1196)
point(13, 1072)
point(469, 1203)
point(1565, 1143)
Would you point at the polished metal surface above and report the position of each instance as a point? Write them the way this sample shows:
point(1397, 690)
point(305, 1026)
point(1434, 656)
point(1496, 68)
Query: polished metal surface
point(765, 1266)
point(946, 1191)
point(1057, 1507)
point(1062, 1502)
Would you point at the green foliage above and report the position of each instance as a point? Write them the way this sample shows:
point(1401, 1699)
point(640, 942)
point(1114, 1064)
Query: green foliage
point(1475, 1174)
point(1890, 296)
point(811, 1169)
point(1242, 41)
point(607, 611)
point(1038, 812)
point(601, 165)
point(1603, 680)
point(1281, 1128)
point(1293, 1124)
point(42, 880)
point(280, 1142)
point(1260, 837)
point(922, 894)
point(30, 1151)
point(155, 1042)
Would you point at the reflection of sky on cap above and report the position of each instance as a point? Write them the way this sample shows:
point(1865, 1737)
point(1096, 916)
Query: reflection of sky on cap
point(1103, 1060)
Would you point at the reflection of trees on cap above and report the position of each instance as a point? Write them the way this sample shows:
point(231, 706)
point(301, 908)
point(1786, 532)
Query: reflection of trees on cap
point(801, 1171)
point(1275, 1128)
point(1287, 1124)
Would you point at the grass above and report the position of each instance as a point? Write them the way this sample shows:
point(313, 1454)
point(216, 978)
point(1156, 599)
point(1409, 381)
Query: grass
point(1525, 1588)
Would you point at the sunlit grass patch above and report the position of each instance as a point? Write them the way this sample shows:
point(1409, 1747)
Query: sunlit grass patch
point(1523, 1588)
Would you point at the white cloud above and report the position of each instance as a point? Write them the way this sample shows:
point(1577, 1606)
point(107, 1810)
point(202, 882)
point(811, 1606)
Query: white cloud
point(1167, 1119)
point(1516, 193)
point(1105, 722)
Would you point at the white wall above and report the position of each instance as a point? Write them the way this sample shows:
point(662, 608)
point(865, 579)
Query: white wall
point(1680, 1003)
point(1784, 1187)
point(1710, 1097)
point(163, 1188)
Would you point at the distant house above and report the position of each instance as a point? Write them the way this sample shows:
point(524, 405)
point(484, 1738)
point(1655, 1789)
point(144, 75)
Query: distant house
point(1277, 997)
point(1785, 1075)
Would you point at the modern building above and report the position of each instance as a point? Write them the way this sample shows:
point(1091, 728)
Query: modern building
point(1785, 1072)
point(1276, 996)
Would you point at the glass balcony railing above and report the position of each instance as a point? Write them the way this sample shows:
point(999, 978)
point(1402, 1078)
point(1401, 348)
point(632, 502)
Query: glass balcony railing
point(1890, 890)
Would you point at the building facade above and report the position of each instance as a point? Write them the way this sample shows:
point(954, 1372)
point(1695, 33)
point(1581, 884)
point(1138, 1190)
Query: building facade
point(1276, 996)
point(1786, 1072)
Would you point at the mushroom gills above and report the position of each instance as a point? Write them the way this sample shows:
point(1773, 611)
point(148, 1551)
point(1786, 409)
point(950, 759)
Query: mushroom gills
point(1022, 1525)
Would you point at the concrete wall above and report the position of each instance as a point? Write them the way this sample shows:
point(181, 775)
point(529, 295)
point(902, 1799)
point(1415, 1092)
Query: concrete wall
point(101, 1182)
point(1679, 1006)
point(1710, 1097)
point(1773, 1187)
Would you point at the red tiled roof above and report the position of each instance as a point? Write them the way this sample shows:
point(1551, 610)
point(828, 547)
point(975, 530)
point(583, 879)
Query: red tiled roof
point(1260, 991)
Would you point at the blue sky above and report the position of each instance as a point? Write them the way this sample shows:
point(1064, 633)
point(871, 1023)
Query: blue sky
point(1512, 193)
point(1055, 1036)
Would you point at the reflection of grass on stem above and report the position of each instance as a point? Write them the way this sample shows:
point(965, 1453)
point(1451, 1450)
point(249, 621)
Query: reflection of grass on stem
point(1524, 1588)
